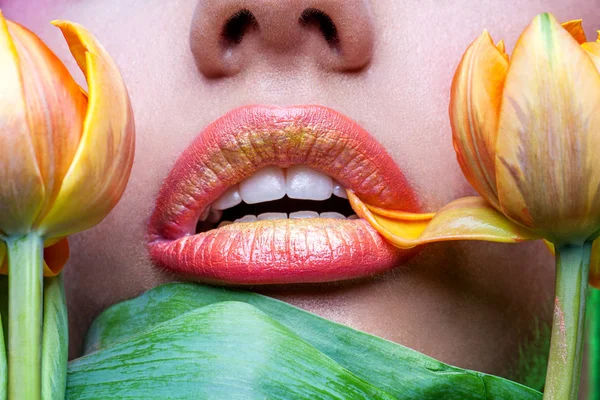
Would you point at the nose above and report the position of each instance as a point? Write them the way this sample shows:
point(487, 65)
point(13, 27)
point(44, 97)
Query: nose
point(227, 36)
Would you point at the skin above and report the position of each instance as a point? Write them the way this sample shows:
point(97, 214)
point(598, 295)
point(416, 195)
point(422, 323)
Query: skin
point(474, 305)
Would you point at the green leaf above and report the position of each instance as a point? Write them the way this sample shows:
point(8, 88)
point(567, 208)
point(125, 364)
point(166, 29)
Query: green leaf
point(192, 341)
point(227, 350)
point(55, 339)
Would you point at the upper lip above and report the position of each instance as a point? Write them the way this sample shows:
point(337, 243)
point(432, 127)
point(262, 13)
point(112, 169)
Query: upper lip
point(246, 139)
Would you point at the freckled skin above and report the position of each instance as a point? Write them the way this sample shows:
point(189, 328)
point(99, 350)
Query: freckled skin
point(474, 305)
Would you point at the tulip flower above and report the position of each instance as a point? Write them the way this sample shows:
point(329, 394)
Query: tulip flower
point(525, 136)
point(525, 131)
point(65, 158)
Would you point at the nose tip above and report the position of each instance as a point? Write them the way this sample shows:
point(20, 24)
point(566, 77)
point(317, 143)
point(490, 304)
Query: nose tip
point(228, 36)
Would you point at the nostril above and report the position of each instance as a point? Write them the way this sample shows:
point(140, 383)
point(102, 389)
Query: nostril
point(230, 36)
point(237, 26)
point(312, 17)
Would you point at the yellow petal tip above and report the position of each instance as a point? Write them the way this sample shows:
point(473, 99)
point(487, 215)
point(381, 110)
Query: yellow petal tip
point(501, 46)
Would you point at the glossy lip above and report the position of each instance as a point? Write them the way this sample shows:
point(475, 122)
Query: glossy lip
point(277, 251)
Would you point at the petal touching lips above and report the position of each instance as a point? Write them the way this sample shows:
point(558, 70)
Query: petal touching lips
point(19, 204)
point(102, 164)
point(469, 218)
point(56, 255)
point(550, 112)
point(474, 106)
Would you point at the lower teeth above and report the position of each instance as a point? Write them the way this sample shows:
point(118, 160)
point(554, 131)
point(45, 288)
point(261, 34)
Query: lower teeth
point(294, 215)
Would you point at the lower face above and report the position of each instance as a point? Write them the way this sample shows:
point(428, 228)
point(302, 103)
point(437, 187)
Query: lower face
point(474, 305)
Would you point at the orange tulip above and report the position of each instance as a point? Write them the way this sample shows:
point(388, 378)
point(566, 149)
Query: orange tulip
point(526, 130)
point(65, 155)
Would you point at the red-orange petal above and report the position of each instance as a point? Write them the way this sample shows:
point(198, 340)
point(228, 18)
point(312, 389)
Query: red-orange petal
point(55, 110)
point(21, 186)
point(575, 29)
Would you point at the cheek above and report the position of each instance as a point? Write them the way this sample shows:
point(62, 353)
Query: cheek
point(408, 95)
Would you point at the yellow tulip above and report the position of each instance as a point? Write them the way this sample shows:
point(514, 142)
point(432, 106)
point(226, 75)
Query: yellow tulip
point(526, 129)
point(65, 155)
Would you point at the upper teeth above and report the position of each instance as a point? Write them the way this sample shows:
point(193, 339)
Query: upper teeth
point(272, 183)
point(302, 182)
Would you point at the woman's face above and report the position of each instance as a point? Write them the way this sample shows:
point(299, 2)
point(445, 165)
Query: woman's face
point(388, 66)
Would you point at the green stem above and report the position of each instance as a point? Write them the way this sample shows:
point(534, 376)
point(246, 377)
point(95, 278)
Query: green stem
point(25, 277)
point(566, 343)
point(55, 343)
point(593, 343)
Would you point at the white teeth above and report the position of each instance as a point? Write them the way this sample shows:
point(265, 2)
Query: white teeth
point(304, 214)
point(303, 182)
point(265, 185)
point(272, 183)
point(229, 199)
point(332, 215)
point(273, 215)
point(339, 190)
point(294, 215)
point(246, 218)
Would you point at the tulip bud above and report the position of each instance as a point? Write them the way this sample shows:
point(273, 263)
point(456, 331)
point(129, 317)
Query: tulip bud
point(525, 130)
point(65, 156)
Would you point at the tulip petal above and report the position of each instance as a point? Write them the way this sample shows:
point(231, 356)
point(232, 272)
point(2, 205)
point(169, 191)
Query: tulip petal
point(474, 106)
point(575, 29)
point(593, 51)
point(21, 186)
point(547, 172)
point(55, 107)
point(56, 255)
point(469, 218)
point(501, 47)
point(101, 167)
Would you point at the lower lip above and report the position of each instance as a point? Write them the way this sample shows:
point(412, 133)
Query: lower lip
point(280, 251)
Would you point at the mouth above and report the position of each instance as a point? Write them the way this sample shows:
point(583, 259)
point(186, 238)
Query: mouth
point(259, 197)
